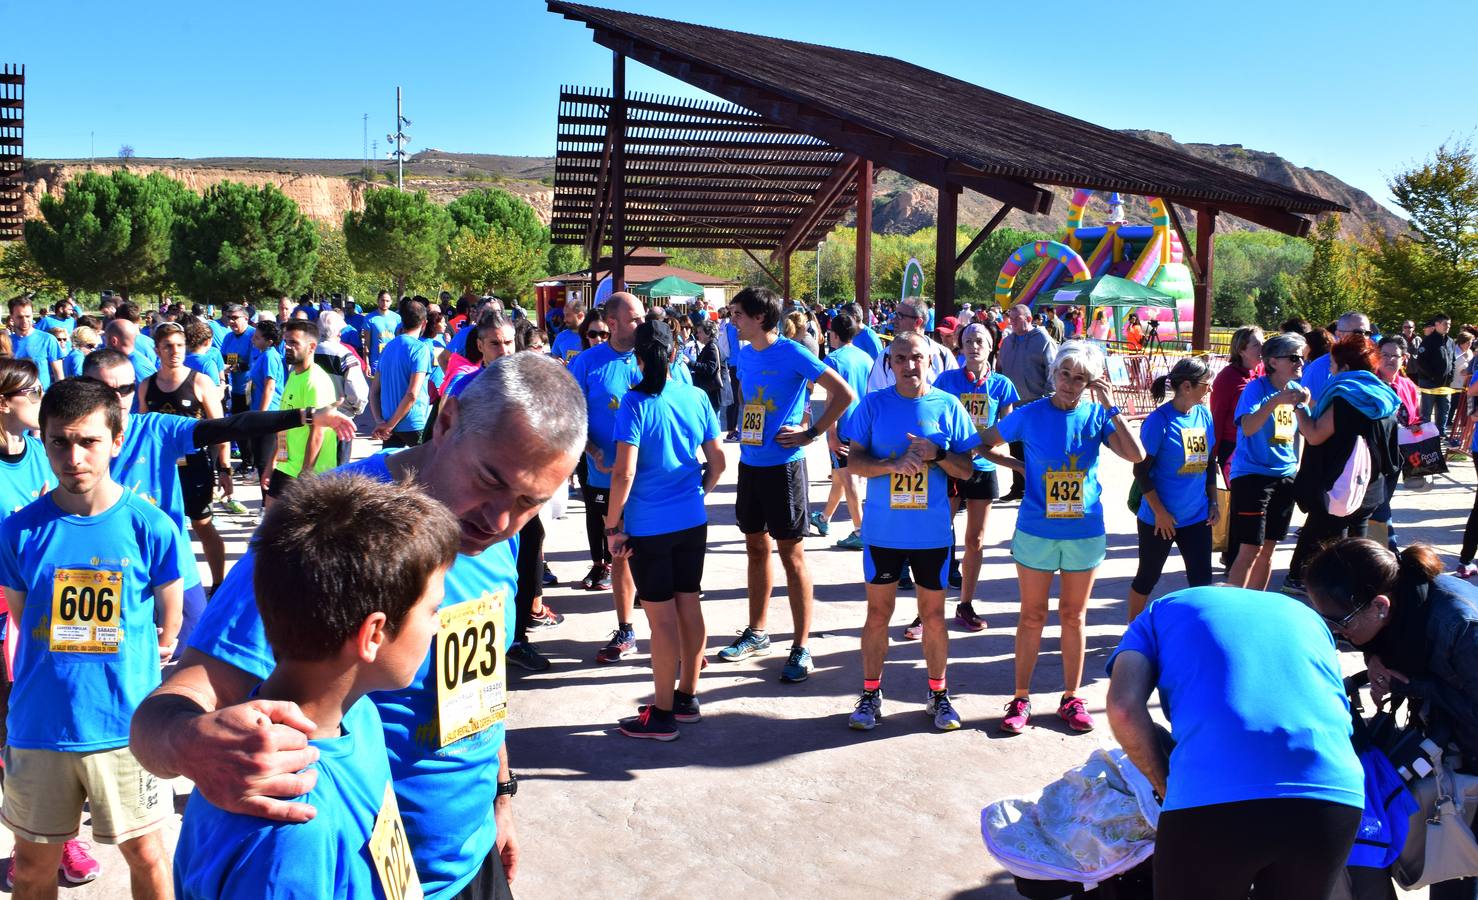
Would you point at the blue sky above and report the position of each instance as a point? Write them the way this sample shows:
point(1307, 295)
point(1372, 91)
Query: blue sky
point(1351, 88)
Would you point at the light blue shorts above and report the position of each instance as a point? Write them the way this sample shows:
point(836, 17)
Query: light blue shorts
point(1050, 555)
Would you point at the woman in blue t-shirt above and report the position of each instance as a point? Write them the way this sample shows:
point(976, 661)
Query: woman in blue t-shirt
point(1265, 461)
point(655, 518)
point(1060, 525)
point(1176, 480)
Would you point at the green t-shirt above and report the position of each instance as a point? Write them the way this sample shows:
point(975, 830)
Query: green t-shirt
point(310, 389)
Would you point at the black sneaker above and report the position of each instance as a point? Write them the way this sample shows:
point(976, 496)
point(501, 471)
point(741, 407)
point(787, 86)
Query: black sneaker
point(684, 708)
point(955, 579)
point(653, 724)
point(549, 579)
point(527, 656)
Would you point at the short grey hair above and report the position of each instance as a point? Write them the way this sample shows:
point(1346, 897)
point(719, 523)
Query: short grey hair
point(330, 325)
point(536, 387)
point(1082, 355)
point(910, 337)
point(1288, 343)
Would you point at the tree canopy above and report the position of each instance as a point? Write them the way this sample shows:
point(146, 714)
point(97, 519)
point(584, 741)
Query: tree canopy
point(1434, 268)
point(243, 243)
point(400, 236)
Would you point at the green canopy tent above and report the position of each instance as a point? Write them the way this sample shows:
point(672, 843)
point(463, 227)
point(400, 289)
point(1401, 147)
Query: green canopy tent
point(671, 286)
point(1110, 291)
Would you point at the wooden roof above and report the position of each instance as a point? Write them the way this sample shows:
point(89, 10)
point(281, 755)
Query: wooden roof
point(698, 174)
point(934, 128)
point(645, 274)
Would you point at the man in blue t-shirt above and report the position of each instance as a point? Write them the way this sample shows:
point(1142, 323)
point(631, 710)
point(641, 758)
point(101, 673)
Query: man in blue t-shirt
point(239, 352)
point(853, 364)
point(772, 499)
point(498, 451)
point(1316, 373)
point(400, 401)
point(63, 316)
point(566, 344)
point(380, 329)
point(37, 345)
point(123, 335)
point(92, 574)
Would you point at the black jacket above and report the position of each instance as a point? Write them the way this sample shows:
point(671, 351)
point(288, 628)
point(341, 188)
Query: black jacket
point(1435, 361)
point(1322, 464)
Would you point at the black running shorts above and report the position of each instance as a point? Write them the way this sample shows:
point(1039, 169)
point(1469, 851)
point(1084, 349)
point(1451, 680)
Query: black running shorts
point(773, 499)
point(667, 564)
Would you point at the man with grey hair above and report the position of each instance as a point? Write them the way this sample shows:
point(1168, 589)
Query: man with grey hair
point(909, 318)
point(344, 368)
point(1316, 372)
point(1025, 358)
point(496, 454)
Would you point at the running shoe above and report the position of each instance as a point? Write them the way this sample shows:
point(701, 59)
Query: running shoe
point(1018, 713)
point(1074, 712)
point(684, 708)
point(621, 645)
point(943, 712)
point(651, 725)
point(1011, 496)
point(545, 618)
point(1467, 570)
point(598, 578)
point(526, 656)
point(955, 579)
point(747, 644)
point(549, 579)
point(914, 631)
point(1294, 587)
point(852, 541)
point(78, 866)
point(868, 712)
point(818, 522)
point(731, 438)
point(967, 619)
point(235, 507)
point(798, 667)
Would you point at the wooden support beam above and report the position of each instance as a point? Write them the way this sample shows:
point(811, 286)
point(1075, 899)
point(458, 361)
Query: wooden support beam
point(1205, 285)
point(985, 232)
point(1276, 219)
point(842, 178)
point(946, 229)
point(763, 268)
point(785, 276)
point(1185, 242)
point(618, 172)
point(1023, 195)
point(863, 271)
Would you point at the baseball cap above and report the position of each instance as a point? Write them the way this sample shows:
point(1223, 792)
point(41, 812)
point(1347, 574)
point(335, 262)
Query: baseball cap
point(949, 325)
point(656, 332)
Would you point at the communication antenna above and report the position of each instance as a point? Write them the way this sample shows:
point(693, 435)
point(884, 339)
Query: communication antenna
point(398, 140)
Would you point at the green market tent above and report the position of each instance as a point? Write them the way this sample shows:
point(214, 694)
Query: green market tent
point(671, 286)
point(1107, 290)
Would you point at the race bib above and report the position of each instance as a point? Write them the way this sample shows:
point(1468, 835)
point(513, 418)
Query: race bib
point(570, 356)
point(979, 408)
point(908, 491)
point(282, 448)
point(233, 361)
point(471, 672)
point(391, 852)
point(1196, 453)
point(1064, 493)
point(85, 611)
point(1283, 425)
point(752, 425)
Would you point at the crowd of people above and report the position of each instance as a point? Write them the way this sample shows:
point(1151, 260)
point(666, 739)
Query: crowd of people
point(338, 695)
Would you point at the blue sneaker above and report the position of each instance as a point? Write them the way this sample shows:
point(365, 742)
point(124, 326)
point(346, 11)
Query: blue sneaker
point(747, 644)
point(818, 522)
point(798, 667)
point(852, 541)
point(945, 717)
point(868, 712)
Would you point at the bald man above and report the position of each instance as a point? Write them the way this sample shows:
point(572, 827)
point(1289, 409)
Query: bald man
point(123, 335)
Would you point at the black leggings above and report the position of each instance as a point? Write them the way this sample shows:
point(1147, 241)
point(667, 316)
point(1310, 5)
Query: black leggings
point(1288, 849)
point(1194, 542)
point(595, 516)
point(1320, 528)
point(530, 575)
point(1470, 534)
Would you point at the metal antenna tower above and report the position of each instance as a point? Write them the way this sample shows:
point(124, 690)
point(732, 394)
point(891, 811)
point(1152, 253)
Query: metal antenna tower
point(398, 140)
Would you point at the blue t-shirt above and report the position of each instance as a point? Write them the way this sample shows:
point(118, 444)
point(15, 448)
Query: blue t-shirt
point(148, 466)
point(73, 362)
point(143, 366)
point(1273, 450)
point(382, 328)
point(566, 346)
point(604, 377)
point(46, 323)
point(24, 479)
point(446, 794)
point(678, 372)
point(1315, 376)
point(434, 346)
point(1061, 448)
point(40, 348)
point(208, 364)
point(239, 353)
point(668, 430)
point(403, 357)
point(268, 364)
point(1179, 472)
point(88, 653)
point(868, 342)
point(982, 400)
point(147, 351)
point(853, 365)
point(228, 855)
point(881, 426)
point(458, 343)
point(218, 333)
point(1250, 682)
point(775, 378)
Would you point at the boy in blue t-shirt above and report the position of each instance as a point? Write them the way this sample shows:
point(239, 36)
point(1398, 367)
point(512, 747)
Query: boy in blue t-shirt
point(364, 628)
point(92, 573)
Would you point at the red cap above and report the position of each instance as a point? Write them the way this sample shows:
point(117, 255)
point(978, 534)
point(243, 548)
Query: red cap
point(949, 325)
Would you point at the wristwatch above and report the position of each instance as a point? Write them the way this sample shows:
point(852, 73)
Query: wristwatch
point(939, 454)
point(612, 532)
point(508, 788)
point(811, 432)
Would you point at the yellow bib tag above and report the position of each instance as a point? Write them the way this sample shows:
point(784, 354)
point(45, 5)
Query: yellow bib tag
point(1064, 493)
point(391, 852)
point(232, 361)
point(282, 447)
point(1196, 455)
point(978, 406)
point(85, 611)
point(570, 356)
point(1283, 427)
point(908, 491)
point(471, 672)
point(752, 425)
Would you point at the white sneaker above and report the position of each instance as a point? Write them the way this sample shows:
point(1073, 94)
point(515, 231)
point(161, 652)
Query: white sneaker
point(1467, 570)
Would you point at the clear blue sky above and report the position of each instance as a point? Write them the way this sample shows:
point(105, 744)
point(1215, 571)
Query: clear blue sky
point(1324, 84)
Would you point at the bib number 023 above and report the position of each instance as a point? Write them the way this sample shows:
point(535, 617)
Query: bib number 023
point(471, 670)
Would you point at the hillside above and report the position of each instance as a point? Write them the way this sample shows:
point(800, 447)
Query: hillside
point(327, 188)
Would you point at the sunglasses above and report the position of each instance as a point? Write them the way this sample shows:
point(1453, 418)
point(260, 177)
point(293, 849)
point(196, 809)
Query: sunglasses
point(33, 391)
point(1358, 331)
point(126, 390)
point(1340, 623)
point(602, 335)
point(1292, 359)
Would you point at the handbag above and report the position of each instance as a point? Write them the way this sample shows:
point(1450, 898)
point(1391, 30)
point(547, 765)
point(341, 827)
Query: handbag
point(1440, 845)
point(1421, 452)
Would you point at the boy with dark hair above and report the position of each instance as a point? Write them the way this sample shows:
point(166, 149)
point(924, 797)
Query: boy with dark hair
point(370, 558)
point(92, 573)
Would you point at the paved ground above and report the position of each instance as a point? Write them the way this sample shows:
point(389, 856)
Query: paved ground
point(772, 795)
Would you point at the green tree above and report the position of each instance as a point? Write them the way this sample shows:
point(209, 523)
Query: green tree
point(496, 261)
point(565, 258)
point(335, 272)
point(987, 260)
point(108, 231)
point(1249, 265)
point(1434, 268)
point(243, 243)
point(1324, 289)
point(20, 274)
point(400, 236)
point(491, 209)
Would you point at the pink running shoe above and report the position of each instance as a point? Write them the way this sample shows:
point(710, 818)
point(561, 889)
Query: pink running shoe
point(1074, 712)
point(1018, 713)
point(78, 866)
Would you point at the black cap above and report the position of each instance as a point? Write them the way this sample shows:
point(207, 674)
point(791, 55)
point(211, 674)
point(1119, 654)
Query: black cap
point(649, 333)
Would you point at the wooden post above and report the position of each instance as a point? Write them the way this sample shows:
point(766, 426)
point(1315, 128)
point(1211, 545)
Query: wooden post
point(785, 276)
point(618, 173)
point(947, 224)
point(863, 272)
point(1204, 286)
